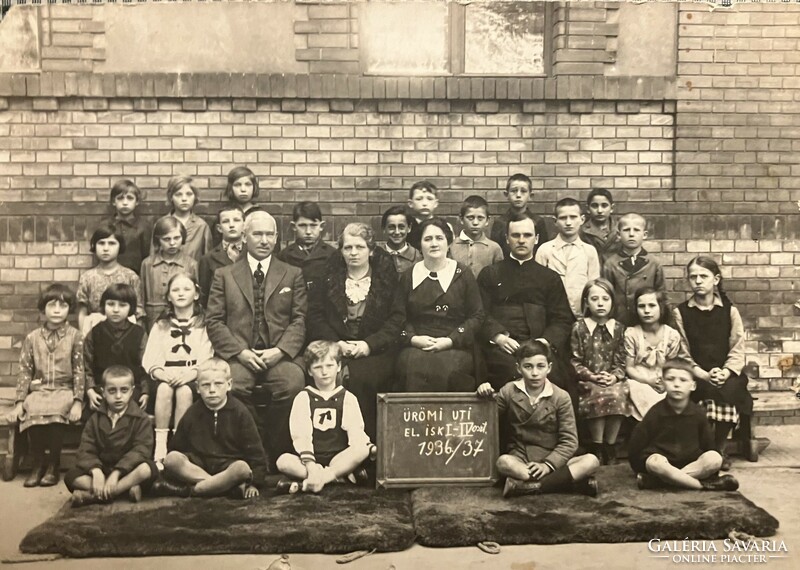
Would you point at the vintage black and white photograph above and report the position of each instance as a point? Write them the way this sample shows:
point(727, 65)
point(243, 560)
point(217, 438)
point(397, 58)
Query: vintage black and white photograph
point(399, 284)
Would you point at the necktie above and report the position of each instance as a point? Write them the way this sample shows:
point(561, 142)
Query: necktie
point(259, 274)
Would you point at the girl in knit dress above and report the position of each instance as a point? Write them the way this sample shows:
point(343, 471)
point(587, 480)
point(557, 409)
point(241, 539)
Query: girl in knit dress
point(648, 345)
point(599, 361)
point(106, 244)
point(712, 332)
point(177, 345)
point(50, 384)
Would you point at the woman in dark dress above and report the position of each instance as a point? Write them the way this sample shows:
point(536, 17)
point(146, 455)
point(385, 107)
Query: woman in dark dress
point(354, 307)
point(442, 310)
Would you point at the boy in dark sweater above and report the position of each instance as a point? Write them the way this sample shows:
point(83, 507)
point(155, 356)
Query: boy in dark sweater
point(309, 251)
point(674, 443)
point(216, 448)
point(116, 446)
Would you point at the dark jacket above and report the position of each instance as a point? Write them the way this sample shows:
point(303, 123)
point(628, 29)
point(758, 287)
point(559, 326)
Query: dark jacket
point(209, 263)
point(648, 274)
point(312, 263)
point(327, 310)
point(123, 448)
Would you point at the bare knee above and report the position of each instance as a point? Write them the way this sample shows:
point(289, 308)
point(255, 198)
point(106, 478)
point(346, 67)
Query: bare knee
point(164, 392)
point(588, 462)
point(509, 464)
point(285, 461)
point(240, 470)
point(175, 460)
point(712, 459)
point(656, 463)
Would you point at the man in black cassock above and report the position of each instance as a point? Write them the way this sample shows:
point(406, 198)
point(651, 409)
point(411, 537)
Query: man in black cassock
point(524, 300)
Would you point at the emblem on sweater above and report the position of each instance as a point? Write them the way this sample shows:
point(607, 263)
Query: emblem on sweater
point(324, 419)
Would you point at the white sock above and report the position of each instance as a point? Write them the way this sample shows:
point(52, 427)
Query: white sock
point(161, 444)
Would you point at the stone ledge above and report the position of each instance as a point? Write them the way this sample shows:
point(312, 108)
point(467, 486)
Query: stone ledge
point(332, 86)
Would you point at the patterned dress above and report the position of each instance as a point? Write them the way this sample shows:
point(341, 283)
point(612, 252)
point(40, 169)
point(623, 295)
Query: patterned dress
point(93, 284)
point(51, 375)
point(643, 396)
point(598, 348)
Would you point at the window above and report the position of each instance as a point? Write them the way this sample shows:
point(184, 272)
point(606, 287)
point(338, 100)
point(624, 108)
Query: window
point(413, 38)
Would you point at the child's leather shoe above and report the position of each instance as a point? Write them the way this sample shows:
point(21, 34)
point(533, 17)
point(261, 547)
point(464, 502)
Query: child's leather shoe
point(586, 487)
point(516, 487)
point(51, 476)
point(720, 483)
point(83, 498)
point(165, 488)
point(287, 486)
point(647, 481)
point(34, 478)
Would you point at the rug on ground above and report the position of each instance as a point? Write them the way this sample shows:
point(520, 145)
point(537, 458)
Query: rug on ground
point(340, 520)
point(621, 513)
point(344, 519)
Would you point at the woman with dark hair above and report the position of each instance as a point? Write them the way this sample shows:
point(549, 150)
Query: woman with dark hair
point(354, 308)
point(442, 310)
point(712, 332)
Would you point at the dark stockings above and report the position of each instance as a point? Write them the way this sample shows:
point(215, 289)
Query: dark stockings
point(47, 437)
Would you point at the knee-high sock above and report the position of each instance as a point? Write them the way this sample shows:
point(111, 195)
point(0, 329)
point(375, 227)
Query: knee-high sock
point(558, 480)
point(721, 431)
point(55, 441)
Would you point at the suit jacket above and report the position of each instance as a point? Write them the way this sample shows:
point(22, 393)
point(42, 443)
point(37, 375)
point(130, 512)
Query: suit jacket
point(380, 325)
point(229, 317)
point(209, 263)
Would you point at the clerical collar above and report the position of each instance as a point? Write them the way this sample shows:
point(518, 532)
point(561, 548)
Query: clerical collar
point(445, 276)
point(520, 261)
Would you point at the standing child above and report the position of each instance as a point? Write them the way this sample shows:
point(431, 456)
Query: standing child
point(712, 332)
point(326, 426)
point(472, 247)
point(309, 251)
point(106, 244)
point(673, 444)
point(648, 345)
point(630, 268)
point(230, 224)
point(169, 235)
point(599, 230)
point(423, 199)
point(518, 193)
point(177, 346)
point(182, 197)
point(541, 426)
point(116, 445)
point(599, 361)
point(396, 224)
point(242, 189)
point(50, 384)
point(575, 262)
point(216, 448)
point(116, 342)
point(134, 231)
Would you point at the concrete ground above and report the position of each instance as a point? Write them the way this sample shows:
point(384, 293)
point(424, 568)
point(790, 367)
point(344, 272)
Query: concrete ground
point(773, 483)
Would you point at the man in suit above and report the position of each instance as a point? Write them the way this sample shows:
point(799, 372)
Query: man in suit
point(256, 321)
point(524, 300)
point(230, 223)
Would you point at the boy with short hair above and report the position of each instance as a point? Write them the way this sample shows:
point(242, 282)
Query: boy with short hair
point(216, 448)
point(673, 443)
point(326, 427)
point(518, 193)
point(309, 251)
point(630, 269)
point(230, 224)
point(472, 247)
point(396, 223)
point(125, 197)
point(543, 437)
point(116, 446)
point(599, 230)
point(423, 199)
point(574, 260)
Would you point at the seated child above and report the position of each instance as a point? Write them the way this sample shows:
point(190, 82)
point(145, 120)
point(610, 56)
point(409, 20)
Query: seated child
point(116, 445)
point(472, 247)
point(674, 443)
point(326, 427)
point(216, 448)
point(396, 224)
point(541, 425)
point(309, 251)
point(630, 268)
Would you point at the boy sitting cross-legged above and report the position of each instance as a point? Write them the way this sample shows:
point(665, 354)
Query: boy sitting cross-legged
point(674, 443)
point(326, 426)
point(216, 448)
point(541, 425)
point(116, 446)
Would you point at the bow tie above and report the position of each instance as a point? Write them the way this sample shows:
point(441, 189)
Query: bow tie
point(181, 331)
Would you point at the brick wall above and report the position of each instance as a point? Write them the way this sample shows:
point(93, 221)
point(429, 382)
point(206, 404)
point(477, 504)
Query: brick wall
point(712, 163)
point(737, 164)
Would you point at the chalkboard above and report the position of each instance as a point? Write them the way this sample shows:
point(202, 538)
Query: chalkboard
point(436, 439)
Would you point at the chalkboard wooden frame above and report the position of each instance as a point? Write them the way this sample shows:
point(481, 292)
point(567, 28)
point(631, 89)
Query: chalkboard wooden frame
point(486, 474)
